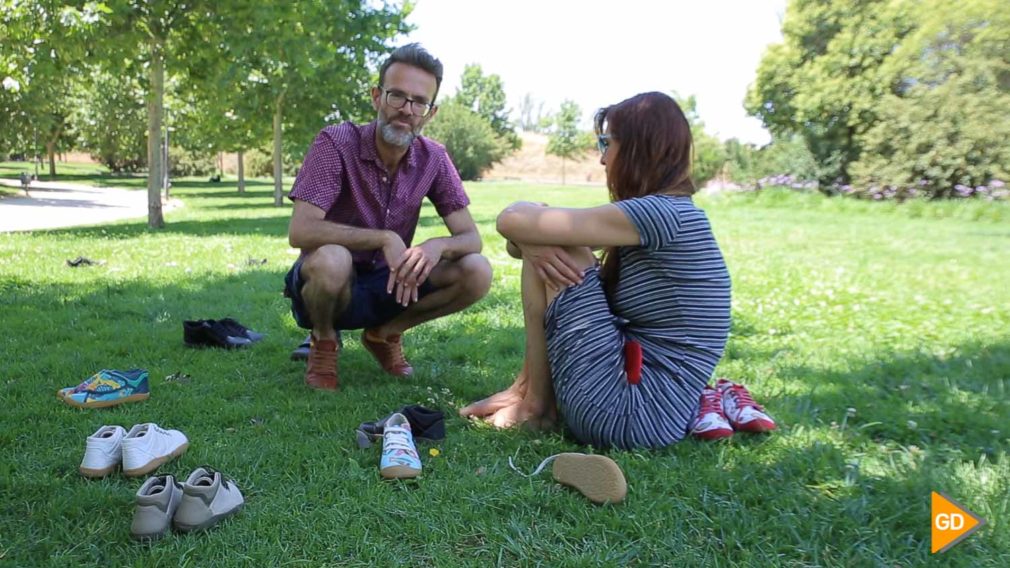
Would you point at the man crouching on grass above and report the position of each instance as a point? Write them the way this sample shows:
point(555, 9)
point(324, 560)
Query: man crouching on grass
point(357, 201)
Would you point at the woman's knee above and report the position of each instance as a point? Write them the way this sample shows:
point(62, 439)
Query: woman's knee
point(582, 256)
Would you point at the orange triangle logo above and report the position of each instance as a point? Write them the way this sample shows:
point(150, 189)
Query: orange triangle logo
point(952, 522)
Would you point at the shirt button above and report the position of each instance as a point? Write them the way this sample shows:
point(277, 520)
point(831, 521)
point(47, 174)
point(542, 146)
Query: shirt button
point(384, 179)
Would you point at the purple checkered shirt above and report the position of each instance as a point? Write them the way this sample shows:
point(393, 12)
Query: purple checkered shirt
point(343, 175)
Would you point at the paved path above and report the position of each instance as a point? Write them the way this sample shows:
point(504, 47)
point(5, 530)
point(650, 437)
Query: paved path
point(57, 204)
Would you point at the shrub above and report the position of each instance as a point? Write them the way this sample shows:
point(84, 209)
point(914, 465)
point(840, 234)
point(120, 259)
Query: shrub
point(469, 139)
point(183, 163)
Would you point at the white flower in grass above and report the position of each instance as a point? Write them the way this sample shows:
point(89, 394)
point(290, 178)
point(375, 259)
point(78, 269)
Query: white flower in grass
point(850, 412)
point(912, 424)
point(11, 84)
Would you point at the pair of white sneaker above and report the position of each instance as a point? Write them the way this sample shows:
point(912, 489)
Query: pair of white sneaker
point(140, 451)
point(202, 501)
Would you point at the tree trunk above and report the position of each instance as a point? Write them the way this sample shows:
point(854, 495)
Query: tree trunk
point(51, 151)
point(51, 148)
point(562, 170)
point(241, 172)
point(278, 173)
point(155, 100)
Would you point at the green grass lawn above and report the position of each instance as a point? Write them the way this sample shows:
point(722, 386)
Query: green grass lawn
point(878, 337)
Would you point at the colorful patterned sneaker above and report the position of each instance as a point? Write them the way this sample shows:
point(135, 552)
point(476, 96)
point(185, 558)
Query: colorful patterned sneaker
point(399, 456)
point(147, 446)
point(388, 352)
point(743, 413)
point(157, 500)
point(107, 388)
point(207, 498)
point(103, 451)
point(711, 423)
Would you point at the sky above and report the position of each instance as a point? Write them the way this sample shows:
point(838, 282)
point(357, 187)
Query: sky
point(598, 52)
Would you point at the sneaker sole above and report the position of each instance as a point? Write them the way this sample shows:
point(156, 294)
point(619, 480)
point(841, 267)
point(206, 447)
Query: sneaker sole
point(182, 527)
point(148, 537)
point(155, 463)
point(597, 477)
point(399, 472)
point(710, 435)
point(755, 427)
point(104, 403)
point(89, 472)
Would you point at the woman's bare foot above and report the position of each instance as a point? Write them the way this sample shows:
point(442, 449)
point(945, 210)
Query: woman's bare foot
point(488, 406)
point(527, 414)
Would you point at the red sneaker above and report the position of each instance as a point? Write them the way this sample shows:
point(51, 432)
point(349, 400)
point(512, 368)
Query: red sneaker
point(711, 423)
point(388, 353)
point(744, 414)
point(321, 370)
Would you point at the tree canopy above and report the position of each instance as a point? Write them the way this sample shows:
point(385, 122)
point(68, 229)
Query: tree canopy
point(897, 95)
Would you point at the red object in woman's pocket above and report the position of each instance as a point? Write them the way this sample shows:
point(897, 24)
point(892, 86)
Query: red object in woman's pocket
point(633, 361)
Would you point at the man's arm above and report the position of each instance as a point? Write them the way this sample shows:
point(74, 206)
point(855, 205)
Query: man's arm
point(310, 230)
point(464, 238)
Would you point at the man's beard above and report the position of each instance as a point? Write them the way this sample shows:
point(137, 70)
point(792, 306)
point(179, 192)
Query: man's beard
point(395, 136)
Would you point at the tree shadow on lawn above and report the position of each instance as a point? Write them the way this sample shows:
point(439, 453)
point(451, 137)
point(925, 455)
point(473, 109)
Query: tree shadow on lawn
point(954, 402)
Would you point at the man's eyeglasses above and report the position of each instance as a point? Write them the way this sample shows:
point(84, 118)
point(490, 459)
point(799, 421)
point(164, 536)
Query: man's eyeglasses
point(397, 100)
point(603, 142)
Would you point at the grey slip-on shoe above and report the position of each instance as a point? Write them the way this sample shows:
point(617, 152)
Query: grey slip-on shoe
point(157, 500)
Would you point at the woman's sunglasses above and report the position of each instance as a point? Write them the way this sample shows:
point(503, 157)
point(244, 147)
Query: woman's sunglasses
point(603, 142)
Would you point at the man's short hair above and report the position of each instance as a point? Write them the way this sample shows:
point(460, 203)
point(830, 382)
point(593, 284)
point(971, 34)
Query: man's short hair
point(416, 56)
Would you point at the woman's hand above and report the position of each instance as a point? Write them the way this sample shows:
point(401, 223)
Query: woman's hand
point(553, 264)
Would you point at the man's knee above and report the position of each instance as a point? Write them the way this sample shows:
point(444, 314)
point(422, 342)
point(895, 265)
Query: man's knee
point(476, 275)
point(328, 269)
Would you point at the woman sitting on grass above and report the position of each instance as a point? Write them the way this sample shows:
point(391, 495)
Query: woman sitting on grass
point(623, 349)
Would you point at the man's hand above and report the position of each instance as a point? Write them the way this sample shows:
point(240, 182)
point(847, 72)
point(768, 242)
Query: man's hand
point(393, 250)
point(553, 264)
point(418, 262)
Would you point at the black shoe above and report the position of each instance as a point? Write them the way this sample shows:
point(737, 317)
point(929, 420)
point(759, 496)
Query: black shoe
point(425, 425)
point(236, 329)
point(301, 353)
point(211, 333)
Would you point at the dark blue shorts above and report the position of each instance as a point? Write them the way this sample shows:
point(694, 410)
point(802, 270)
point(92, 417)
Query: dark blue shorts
point(370, 304)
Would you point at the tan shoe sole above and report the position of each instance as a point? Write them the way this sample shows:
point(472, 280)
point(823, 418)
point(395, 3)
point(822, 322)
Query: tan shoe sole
point(89, 472)
point(599, 478)
point(399, 472)
point(104, 403)
point(156, 462)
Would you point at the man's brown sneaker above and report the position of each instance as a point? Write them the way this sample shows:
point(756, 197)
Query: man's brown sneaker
point(321, 370)
point(388, 353)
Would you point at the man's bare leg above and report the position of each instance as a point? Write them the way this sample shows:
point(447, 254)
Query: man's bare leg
point(327, 272)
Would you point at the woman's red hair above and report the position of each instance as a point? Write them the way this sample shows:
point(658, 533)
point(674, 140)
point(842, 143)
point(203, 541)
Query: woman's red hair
point(654, 155)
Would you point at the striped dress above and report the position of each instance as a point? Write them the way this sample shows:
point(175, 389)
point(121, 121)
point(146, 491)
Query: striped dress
point(673, 298)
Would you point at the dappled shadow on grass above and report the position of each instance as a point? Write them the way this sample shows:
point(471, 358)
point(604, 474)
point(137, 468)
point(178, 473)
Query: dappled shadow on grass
point(954, 403)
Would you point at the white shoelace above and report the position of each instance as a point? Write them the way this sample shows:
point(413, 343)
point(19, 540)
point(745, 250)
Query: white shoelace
point(536, 471)
point(397, 439)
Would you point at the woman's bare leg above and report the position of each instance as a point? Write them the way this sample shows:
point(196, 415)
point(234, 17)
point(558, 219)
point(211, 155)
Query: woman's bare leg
point(538, 408)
